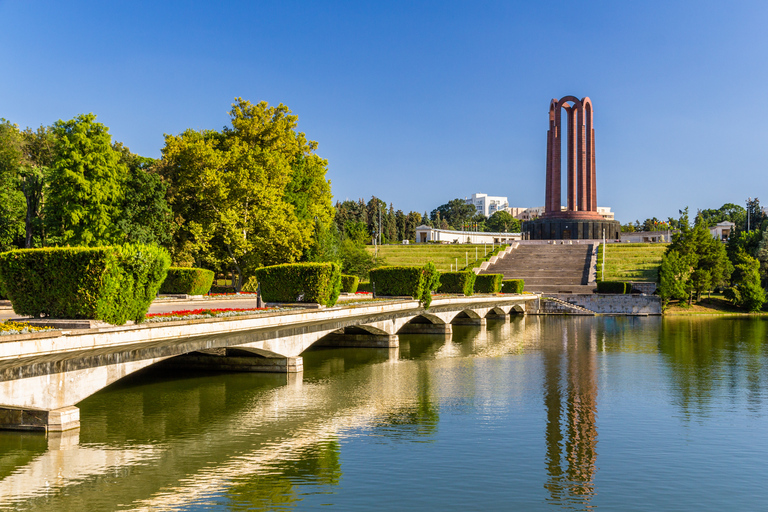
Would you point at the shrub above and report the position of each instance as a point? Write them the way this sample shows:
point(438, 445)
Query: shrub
point(512, 286)
point(113, 284)
point(416, 282)
point(301, 282)
point(458, 282)
point(488, 283)
point(192, 281)
point(364, 287)
point(349, 283)
point(612, 287)
point(251, 285)
point(3, 294)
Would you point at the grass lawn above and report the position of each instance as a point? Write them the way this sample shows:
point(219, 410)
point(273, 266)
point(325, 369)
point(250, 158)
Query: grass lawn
point(442, 255)
point(716, 304)
point(630, 262)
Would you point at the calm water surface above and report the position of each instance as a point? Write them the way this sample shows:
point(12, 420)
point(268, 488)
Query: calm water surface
point(537, 413)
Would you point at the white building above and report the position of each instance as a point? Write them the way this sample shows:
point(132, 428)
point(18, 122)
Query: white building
point(448, 236)
point(534, 213)
point(722, 230)
point(488, 205)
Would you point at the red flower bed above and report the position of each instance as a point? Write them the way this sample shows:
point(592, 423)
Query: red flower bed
point(362, 293)
point(229, 294)
point(209, 312)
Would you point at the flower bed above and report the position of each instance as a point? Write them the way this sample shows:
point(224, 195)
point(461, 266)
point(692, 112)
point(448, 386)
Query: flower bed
point(9, 327)
point(229, 294)
point(193, 314)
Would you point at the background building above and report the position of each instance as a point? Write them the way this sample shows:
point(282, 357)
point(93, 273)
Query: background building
point(488, 205)
point(426, 234)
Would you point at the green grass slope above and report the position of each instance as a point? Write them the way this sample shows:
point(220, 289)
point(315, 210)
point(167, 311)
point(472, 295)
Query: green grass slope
point(442, 255)
point(630, 262)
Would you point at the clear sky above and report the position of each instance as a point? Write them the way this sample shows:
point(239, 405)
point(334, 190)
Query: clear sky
point(422, 102)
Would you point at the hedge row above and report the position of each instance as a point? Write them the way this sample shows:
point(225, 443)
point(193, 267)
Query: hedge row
point(488, 283)
point(3, 294)
point(365, 287)
point(416, 282)
point(462, 282)
point(191, 281)
point(113, 284)
point(614, 287)
point(512, 286)
point(301, 282)
point(349, 283)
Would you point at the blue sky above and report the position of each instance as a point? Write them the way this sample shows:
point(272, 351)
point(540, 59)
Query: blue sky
point(422, 102)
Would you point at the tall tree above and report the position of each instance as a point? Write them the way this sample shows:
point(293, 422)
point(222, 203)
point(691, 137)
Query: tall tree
point(502, 221)
point(87, 184)
point(146, 217)
point(11, 198)
point(455, 212)
point(250, 195)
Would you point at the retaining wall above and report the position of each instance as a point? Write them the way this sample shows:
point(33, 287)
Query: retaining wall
point(615, 304)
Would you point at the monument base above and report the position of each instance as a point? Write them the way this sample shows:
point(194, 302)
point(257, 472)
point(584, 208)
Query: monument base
point(571, 229)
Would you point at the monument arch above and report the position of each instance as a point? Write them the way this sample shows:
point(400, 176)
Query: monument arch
point(579, 219)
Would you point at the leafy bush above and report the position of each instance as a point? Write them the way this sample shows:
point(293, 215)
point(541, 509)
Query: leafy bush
point(113, 284)
point(512, 286)
point(613, 287)
point(488, 283)
point(3, 294)
point(364, 287)
point(349, 283)
point(301, 282)
point(416, 282)
point(458, 282)
point(251, 285)
point(192, 281)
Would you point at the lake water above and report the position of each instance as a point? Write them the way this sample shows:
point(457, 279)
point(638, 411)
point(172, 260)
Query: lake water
point(536, 413)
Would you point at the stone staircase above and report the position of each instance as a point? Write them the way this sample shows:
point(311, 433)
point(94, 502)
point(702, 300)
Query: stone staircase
point(553, 306)
point(547, 268)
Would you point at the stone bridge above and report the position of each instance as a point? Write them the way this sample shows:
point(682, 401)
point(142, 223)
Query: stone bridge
point(43, 375)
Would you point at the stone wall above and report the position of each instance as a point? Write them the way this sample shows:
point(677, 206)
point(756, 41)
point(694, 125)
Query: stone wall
point(616, 304)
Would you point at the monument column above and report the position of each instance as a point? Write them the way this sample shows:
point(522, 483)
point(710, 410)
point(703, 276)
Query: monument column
point(580, 219)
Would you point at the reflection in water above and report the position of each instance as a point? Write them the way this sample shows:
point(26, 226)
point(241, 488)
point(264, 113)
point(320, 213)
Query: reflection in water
point(570, 398)
point(707, 357)
point(466, 412)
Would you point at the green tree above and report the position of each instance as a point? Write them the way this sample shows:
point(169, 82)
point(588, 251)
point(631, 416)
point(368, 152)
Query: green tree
point(728, 212)
point(455, 213)
point(503, 222)
point(675, 276)
point(146, 217)
point(706, 256)
point(355, 259)
point(86, 185)
point(251, 195)
point(746, 291)
point(11, 198)
point(762, 257)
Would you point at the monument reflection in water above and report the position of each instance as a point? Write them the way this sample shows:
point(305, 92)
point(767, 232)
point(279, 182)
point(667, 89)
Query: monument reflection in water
point(570, 398)
point(492, 418)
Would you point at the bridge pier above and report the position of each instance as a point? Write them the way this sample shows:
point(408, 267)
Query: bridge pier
point(426, 329)
point(359, 340)
point(55, 420)
point(469, 321)
point(238, 360)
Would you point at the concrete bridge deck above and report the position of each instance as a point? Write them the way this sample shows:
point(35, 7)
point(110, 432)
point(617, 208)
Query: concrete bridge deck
point(43, 375)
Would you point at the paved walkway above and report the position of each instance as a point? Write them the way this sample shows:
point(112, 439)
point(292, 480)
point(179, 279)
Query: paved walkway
point(164, 306)
point(167, 305)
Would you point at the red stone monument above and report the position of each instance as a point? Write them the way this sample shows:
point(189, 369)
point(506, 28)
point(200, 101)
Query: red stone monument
point(580, 219)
